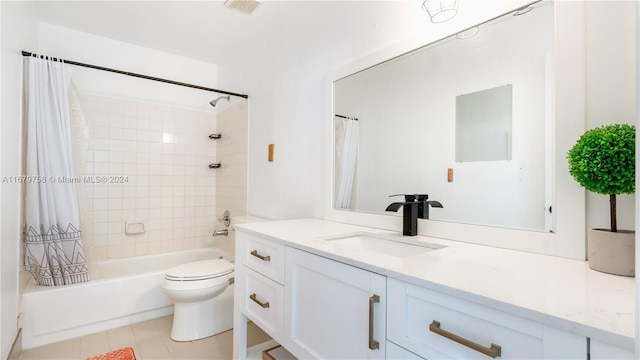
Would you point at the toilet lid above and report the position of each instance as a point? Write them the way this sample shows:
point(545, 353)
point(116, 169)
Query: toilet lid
point(200, 270)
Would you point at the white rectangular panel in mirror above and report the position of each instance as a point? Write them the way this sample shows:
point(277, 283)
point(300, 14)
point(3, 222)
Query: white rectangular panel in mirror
point(483, 125)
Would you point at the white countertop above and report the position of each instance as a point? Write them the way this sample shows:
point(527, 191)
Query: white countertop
point(554, 291)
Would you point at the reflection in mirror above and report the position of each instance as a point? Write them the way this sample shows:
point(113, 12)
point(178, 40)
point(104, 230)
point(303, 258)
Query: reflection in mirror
point(404, 141)
point(483, 125)
point(346, 147)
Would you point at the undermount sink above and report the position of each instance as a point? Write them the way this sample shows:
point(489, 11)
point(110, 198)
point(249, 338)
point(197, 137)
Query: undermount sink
point(384, 245)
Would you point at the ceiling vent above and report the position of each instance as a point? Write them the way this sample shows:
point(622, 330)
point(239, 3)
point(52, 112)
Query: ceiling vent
point(245, 6)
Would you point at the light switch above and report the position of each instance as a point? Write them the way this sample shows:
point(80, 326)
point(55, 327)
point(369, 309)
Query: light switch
point(449, 175)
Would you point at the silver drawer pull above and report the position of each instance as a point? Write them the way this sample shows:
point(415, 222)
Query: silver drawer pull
point(373, 344)
point(261, 257)
point(264, 305)
point(493, 351)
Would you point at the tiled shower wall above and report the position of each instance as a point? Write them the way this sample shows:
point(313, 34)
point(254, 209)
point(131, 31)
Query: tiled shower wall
point(231, 178)
point(155, 159)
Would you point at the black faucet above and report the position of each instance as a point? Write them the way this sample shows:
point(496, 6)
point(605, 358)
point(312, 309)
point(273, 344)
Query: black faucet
point(414, 207)
point(409, 216)
point(424, 204)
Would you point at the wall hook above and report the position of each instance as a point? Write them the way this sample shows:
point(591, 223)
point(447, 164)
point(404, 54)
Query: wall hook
point(214, 166)
point(215, 136)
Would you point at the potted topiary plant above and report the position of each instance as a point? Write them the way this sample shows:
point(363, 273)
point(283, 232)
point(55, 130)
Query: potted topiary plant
point(603, 161)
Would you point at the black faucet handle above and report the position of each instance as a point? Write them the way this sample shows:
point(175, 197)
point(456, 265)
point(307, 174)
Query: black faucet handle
point(413, 197)
point(395, 206)
point(407, 197)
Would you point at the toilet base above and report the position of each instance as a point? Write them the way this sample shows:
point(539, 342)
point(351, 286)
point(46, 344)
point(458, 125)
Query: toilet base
point(193, 321)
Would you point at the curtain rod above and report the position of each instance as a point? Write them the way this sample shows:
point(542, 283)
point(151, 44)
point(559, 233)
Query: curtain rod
point(26, 53)
point(345, 117)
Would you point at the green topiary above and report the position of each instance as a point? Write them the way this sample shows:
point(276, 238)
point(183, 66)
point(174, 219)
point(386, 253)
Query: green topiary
point(603, 161)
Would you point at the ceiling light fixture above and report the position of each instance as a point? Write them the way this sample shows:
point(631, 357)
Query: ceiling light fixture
point(468, 34)
point(440, 10)
point(523, 10)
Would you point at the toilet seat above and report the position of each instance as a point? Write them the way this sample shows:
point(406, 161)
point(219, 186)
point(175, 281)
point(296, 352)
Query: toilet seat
point(200, 270)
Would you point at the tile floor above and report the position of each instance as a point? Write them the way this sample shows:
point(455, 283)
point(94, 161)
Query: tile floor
point(149, 340)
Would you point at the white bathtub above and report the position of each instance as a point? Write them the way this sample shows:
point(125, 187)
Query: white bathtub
point(123, 292)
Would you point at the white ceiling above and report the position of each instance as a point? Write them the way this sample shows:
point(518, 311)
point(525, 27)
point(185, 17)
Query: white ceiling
point(209, 31)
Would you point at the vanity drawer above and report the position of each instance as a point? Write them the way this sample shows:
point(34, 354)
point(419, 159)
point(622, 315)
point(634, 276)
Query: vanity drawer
point(428, 323)
point(263, 303)
point(262, 255)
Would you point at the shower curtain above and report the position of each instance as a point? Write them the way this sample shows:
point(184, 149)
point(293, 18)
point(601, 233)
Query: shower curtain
point(346, 156)
point(53, 250)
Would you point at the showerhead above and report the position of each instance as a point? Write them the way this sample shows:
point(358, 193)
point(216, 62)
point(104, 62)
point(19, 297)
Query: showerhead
point(215, 101)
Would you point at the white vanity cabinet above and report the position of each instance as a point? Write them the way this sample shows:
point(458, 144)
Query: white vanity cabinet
point(330, 302)
point(438, 326)
point(333, 310)
point(259, 289)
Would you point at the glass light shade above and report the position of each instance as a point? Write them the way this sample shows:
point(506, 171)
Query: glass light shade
point(440, 10)
point(468, 34)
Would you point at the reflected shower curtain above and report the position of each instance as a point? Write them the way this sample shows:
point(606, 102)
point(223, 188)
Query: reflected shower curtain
point(346, 156)
point(54, 254)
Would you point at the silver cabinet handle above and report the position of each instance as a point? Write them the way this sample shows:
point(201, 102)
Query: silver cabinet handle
point(493, 351)
point(373, 345)
point(264, 305)
point(261, 257)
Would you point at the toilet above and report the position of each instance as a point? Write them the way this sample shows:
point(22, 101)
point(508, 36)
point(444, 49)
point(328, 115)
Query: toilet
point(202, 297)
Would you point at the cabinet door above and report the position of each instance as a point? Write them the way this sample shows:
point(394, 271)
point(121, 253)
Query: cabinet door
point(262, 300)
point(333, 310)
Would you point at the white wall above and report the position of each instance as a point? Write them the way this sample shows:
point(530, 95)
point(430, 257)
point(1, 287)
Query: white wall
point(82, 47)
point(611, 89)
point(19, 32)
point(285, 110)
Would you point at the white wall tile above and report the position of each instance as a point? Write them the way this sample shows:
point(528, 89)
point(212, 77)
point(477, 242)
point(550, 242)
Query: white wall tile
point(129, 146)
point(100, 168)
point(100, 204)
point(115, 168)
point(130, 123)
point(99, 240)
point(164, 154)
point(115, 133)
point(129, 134)
point(100, 228)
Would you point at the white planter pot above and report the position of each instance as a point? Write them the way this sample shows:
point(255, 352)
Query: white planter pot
point(612, 252)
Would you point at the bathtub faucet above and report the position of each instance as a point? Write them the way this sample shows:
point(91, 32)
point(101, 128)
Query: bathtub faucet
point(224, 232)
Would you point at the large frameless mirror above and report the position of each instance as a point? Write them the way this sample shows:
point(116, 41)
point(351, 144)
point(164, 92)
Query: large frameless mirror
point(465, 120)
